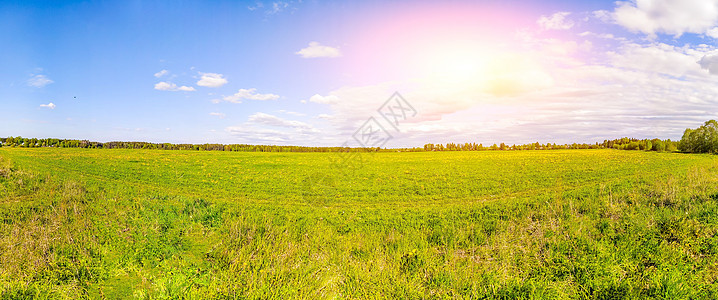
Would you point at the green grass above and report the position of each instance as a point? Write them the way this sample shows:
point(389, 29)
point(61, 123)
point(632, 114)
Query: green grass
point(591, 224)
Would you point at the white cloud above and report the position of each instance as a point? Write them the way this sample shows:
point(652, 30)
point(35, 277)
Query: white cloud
point(659, 58)
point(602, 15)
point(317, 50)
point(598, 35)
point(266, 128)
point(710, 63)
point(674, 17)
point(255, 135)
point(713, 32)
point(161, 73)
point(271, 120)
point(39, 81)
point(49, 105)
point(218, 114)
point(168, 86)
point(250, 94)
point(324, 100)
point(212, 80)
point(557, 21)
point(293, 113)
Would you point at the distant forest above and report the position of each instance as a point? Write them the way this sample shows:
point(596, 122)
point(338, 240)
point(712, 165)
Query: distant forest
point(703, 139)
point(620, 144)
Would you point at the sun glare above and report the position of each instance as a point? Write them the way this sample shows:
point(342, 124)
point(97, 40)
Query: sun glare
point(455, 64)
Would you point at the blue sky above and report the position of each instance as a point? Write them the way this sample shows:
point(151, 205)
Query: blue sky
point(312, 72)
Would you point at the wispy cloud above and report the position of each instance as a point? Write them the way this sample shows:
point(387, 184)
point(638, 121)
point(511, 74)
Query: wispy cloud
point(260, 135)
point(256, 6)
point(556, 21)
point(161, 73)
point(266, 128)
point(49, 105)
point(272, 120)
point(274, 7)
point(218, 114)
point(293, 113)
point(277, 7)
point(315, 50)
point(168, 86)
point(250, 94)
point(39, 81)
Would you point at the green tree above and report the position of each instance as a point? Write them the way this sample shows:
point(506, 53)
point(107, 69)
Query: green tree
point(703, 139)
point(659, 146)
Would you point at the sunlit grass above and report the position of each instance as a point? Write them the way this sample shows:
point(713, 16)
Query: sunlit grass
point(542, 224)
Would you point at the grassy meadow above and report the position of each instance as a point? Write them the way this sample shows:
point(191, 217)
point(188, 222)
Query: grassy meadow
point(152, 224)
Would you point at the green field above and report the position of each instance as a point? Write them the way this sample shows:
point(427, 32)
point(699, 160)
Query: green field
point(593, 224)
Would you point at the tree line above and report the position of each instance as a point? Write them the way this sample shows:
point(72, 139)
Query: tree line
point(69, 143)
point(620, 144)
